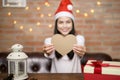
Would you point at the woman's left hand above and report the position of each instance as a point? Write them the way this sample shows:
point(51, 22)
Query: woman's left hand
point(80, 50)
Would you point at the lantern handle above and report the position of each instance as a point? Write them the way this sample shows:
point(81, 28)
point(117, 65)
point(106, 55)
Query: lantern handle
point(17, 48)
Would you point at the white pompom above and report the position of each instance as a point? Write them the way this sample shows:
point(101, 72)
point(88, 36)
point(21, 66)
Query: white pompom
point(70, 7)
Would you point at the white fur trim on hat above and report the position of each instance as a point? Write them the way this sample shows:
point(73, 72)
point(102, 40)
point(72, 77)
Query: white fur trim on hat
point(64, 13)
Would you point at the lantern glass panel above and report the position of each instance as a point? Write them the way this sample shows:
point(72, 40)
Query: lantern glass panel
point(12, 67)
point(21, 67)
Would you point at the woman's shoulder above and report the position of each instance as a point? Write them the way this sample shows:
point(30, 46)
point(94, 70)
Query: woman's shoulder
point(48, 40)
point(79, 36)
point(80, 39)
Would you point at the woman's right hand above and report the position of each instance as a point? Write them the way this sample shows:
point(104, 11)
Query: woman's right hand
point(48, 48)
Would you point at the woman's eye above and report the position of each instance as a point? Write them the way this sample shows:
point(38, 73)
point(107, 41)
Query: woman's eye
point(60, 22)
point(68, 21)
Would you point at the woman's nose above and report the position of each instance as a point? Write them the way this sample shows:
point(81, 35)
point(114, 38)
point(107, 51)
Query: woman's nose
point(64, 25)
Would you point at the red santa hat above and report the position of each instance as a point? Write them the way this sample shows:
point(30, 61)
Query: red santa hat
point(64, 9)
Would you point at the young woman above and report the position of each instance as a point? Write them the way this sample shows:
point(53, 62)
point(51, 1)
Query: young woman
point(64, 25)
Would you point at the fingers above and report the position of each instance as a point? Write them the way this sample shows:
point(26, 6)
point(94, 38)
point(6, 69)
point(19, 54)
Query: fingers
point(48, 48)
point(80, 50)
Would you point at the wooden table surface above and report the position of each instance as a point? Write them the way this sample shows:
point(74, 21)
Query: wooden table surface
point(51, 76)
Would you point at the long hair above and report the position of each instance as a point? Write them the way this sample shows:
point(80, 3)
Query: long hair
point(56, 29)
point(71, 53)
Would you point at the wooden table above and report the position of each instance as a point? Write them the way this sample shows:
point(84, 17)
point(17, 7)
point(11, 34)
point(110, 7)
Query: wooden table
point(51, 76)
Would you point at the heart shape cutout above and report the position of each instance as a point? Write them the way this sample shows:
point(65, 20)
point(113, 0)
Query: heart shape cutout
point(63, 44)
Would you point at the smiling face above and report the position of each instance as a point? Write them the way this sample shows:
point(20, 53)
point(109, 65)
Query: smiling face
point(64, 25)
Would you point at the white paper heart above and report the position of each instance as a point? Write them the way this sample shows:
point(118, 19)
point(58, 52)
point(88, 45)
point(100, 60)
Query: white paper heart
point(63, 44)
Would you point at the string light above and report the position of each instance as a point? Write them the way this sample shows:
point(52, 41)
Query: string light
point(27, 8)
point(15, 22)
point(38, 23)
point(9, 13)
point(42, 15)
point(50, 25)
point(98, 3)
point(85, 14)
point(38, 8)
point(21, 27)
point(30, 29)
point(77, 11)
point(47, 4)
point(92, 11)
point(49, 15)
